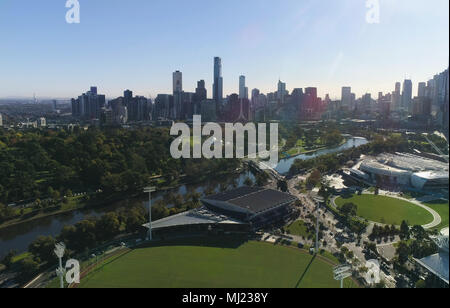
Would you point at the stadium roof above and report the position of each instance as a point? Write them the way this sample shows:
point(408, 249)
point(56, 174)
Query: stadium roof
point(253, 199)
point(199, 216)
point(437, 264)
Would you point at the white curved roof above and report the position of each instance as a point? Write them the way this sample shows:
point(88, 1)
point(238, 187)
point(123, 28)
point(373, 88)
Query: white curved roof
point(379, 168)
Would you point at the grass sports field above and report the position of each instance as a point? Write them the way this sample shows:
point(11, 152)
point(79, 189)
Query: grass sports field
point(240, 265)
point(387, 210)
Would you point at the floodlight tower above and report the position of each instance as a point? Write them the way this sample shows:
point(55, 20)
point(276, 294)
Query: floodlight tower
point(149, 190)
point(317, 200)
point(341, 272)
point(59, 252)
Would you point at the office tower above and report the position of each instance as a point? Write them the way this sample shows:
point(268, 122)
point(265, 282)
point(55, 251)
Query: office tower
point(243, 90)
point(407, 95)
point(88, 105)
point(255, 94)
point(346, 98)
point(199, 96)
point(297, 96)
point(201, 92)
point(380, 96)
point(218, 82)
point(281, 93)
point(421, 107)
point(422, 89)
point(177, 95)
point(119, 111)
point(1, 120)
point(397, 97)
point(177, 82)
point(187, 105)
point(163, 103)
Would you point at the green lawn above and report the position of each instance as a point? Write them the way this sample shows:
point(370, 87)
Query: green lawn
point(246, 265)
point(387, 210)
point(442, 208)
point(298, 228)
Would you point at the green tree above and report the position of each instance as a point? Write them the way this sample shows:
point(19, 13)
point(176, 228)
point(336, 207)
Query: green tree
point(404, 231)
point(403, 252)
point(43, 247)
point(348, 209)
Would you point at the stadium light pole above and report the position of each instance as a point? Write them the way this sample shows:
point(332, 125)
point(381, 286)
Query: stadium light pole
point(59, 252)
point(149, 190)
point(317, 200)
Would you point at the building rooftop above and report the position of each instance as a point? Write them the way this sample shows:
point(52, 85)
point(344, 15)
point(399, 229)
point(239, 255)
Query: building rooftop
point(253, 199)
point(437, 264)
point(198, 216)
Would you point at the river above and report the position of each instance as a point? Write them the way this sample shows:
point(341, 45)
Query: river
point(19, 237)
point(285, 164)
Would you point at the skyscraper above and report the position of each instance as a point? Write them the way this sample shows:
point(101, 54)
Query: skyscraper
point(177, 94)
point(177, 82)
point(281, 93)
point(407, 95)
point(200, 95)
point(397, 97)
point(1, 120)
point(346, 98)
point(422, 89)
point(242, 88)
point(218, 81)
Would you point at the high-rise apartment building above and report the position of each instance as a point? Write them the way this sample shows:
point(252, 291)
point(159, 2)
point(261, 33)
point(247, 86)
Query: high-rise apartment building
point(218, 82)
point(281, 93)
point(177, 95)
point(407, 95)
point(421, 92)
point(243, 90)
point(88, 105)
point(346, 98)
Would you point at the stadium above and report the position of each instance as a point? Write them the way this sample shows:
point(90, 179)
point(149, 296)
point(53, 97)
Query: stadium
point(240, 210)
point(402, 170)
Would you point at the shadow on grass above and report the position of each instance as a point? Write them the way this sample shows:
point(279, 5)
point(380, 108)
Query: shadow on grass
point(305, 272)
point(230, 242)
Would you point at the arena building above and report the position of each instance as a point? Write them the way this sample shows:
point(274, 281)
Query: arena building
point(402, 170)
point(239, 210)
point(256, 206)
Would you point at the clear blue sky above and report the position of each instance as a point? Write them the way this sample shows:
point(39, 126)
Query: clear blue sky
point(137, 44)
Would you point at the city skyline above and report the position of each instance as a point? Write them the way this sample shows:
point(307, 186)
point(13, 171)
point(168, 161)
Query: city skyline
point(304, 44)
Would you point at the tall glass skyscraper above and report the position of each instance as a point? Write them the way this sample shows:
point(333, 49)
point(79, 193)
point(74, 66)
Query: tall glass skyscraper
point(407, 95)
point(218, 81)
point(243, 91)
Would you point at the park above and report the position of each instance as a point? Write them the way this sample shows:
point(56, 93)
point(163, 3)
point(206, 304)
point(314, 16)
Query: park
point(387, 210)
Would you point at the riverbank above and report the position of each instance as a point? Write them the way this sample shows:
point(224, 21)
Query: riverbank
point(105, 200)
point(291, 154)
